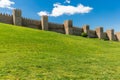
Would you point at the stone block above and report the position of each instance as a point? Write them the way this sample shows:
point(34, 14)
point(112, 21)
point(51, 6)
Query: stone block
point(68, 25)
point(85, 28)
point(17, 19)
point(44, 22)
point(110, 34)
point(99, 32)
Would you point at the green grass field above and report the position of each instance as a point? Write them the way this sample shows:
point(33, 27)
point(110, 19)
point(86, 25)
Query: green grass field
point(29, 54)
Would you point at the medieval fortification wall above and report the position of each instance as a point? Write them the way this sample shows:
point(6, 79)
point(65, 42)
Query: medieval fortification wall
point(65, 28)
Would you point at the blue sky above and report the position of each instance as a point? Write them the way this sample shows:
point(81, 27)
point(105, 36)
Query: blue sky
point(104, 13)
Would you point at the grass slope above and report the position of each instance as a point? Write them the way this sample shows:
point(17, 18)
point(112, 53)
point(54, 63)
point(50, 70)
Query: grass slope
point(29, 54)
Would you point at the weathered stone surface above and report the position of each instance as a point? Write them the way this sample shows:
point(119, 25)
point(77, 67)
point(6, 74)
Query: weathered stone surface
point(92, 34)
point(68, 25)
point(110, 34)
point(77, 31)
point(99, 32)
point(117, 35)
point(104, 35)
point(44, 22)
point(31, 23)
point(5, 18)
point(17, 19)
point(85, 28)
point(56, 27)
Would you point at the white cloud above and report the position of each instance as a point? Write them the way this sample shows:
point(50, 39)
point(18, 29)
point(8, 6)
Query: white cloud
point(43, 13)
point(60, 10)
point(6, 4)
point(67, 1)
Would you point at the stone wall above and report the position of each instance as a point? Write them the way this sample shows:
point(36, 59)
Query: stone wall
point(105, 36)
point(68, 26)
point(117, 35)
point(31, 23)
point(92, 34)
point(99, 32)
point(17, 19)
point(65, 28)
point(56, 27)
point(5, 18)
point(77, 31)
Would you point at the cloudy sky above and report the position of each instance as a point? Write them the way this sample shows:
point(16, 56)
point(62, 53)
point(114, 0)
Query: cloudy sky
point(104, 13)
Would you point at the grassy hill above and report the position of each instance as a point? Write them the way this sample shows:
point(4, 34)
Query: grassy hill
point(29, 54)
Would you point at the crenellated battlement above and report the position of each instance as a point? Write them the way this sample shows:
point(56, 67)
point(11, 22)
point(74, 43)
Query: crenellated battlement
point(66, 28)
point(6, 15)
point(28, 20)
point(6, 18)
point(31, 23)
point(17, 12)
